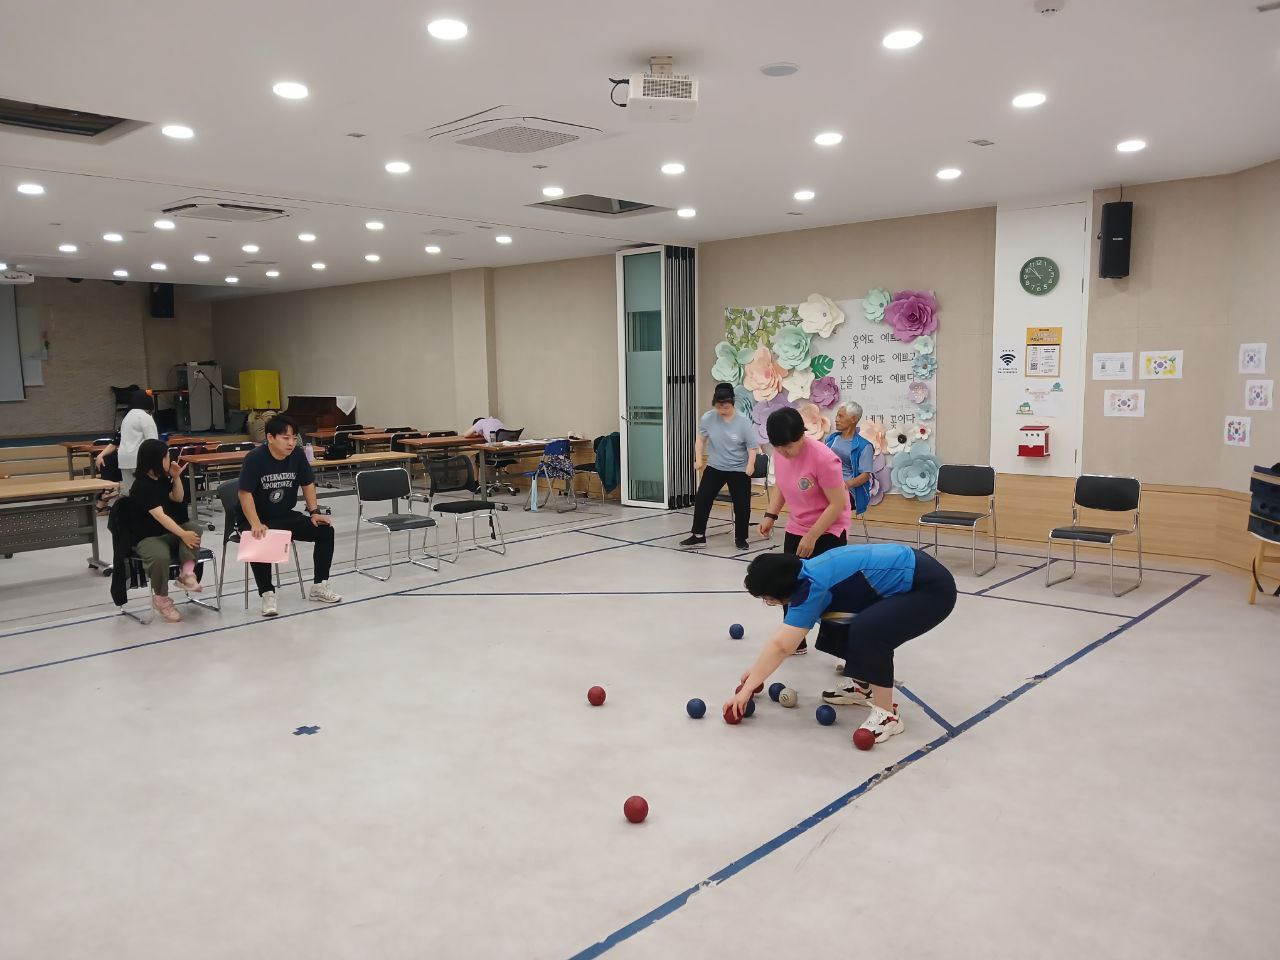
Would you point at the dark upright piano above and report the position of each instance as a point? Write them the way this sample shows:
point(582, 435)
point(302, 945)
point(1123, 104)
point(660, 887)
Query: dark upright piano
point(313, 413)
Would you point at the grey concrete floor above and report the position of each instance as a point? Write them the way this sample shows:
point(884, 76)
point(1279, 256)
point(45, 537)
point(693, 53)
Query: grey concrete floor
point(461, 799)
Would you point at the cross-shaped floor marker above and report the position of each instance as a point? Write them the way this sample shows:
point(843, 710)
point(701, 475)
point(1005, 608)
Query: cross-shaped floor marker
point(307, 730)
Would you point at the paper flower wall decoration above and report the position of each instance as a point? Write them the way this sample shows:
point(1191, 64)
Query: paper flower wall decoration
point(762, 376)
point(821, 364)
point(873, 431)
point(881, 478)
point(760, 414)
point(874, 303)
point(816, 423)
point(744, 401)
point(791, 347)
point(797, 383)
point(918, 392)
point(911, 314)
point(923, 345)
point(825, 392)
point(921, 433)
point(924, 367)
point(820, 316)
point(898, 441)
point(915, 474)
point(925, 411)
point(727, 368)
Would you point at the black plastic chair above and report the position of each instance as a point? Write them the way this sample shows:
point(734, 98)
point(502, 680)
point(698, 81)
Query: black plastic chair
point(592, 469)
point(964, 480)
point(396, 445)
point(392, 483)
point(243, 445)
point(1094, 492)
point(232, 527)
point(136, 570)
point(348, 428)
point(759, 472)
point(457, 475)
point(399, 429)
point(500, 464)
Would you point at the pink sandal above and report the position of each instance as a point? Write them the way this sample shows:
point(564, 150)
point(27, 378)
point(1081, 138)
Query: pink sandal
point(189, 583)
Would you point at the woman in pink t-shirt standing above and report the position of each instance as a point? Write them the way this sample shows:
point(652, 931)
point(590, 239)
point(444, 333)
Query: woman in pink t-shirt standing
point(810, 481)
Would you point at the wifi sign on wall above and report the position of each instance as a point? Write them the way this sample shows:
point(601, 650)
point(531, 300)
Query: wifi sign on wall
point(1006, 361)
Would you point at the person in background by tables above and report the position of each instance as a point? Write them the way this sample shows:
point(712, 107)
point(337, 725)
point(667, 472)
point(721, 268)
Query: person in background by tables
point(485, 427)
point(136, 427)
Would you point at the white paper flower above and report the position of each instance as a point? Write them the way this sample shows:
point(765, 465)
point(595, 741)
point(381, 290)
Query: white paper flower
point(921, 433)
point(899, 440)
point(797, 383)
point(923, 344)
point(820, 316)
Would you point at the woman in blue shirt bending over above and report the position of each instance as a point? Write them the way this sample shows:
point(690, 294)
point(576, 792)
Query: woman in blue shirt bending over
point(869, 601)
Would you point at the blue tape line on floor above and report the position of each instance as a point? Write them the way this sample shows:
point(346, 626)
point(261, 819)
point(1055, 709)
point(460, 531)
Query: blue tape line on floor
point(679, 900)
point(933, 714)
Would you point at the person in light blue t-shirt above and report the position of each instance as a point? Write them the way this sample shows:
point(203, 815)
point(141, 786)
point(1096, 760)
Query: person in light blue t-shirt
point(857, 456)
point(725, 452)
point(869, 601)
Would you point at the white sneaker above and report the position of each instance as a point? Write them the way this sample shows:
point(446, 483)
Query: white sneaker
point(269, 604)
point(321, 593)
point(883, 724)
point(848, 693)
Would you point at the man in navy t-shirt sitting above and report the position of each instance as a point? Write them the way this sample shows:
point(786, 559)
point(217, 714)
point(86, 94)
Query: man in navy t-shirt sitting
point(269, 482)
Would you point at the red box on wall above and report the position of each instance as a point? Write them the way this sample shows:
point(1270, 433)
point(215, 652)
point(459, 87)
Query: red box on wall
point(1033, 441)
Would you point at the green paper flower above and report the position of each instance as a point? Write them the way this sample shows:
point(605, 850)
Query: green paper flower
point(923, 345)
point(874, 302)
point(791, 347)
point(821, 365)
point(727, 368)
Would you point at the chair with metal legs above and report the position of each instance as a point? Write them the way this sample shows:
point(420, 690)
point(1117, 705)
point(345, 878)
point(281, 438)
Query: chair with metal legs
point(136, 570)
point(232, 527)
point(1114, 495)
point(553, 465)
point(964, 480)
point(392, 483)
point(457, 474)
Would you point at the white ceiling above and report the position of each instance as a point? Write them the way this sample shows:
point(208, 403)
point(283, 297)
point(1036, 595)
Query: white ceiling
point(1199, 80)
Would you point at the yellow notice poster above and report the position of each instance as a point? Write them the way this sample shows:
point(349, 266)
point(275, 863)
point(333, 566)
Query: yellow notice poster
point(1044, 352)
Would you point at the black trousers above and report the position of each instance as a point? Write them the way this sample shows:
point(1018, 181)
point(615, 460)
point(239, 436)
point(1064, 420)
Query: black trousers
point(713, 482)
point(300, 525)
point(867, 644)
point(828, 541)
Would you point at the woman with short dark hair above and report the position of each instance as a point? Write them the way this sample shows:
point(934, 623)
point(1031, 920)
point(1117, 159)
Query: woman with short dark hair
point(725, 452)
point(158, 525)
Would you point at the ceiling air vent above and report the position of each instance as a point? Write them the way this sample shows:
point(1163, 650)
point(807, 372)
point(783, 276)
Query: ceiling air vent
point(441, 232)
point(592, 205)
point(507, 129)
point(77, 125)
point(225, 211)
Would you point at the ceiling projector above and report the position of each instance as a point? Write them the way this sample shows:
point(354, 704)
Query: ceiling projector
point(661, 94)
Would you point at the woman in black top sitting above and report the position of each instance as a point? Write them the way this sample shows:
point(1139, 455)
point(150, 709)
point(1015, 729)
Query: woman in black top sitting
point(158, 524)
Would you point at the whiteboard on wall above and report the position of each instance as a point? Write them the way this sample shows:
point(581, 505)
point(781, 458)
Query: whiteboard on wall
point(11, 383)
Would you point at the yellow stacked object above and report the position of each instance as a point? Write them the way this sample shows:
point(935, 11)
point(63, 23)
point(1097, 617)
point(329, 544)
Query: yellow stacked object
point(260, 390)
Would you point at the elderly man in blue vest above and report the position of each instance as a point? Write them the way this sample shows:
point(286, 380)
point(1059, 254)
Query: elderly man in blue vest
point(856, 456)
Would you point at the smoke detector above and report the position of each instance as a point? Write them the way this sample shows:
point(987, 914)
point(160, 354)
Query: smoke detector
point(662, 94)
point(1048, 7)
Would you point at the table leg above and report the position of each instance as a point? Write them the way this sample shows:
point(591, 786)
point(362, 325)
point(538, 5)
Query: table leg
point(191, 486)
point(95, 560)
point(71, 465)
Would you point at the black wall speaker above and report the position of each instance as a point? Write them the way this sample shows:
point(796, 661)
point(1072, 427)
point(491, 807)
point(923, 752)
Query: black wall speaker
point(1114, 239)
point(162, 300)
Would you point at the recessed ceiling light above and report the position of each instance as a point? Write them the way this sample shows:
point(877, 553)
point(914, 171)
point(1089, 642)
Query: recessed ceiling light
point(502, 238)
point(158, 266)
point(201, 258)
point(273, 273)
point(1131, 146)
point(804, 194)
point(4, 266)
point(671, 169)
point(447, 29)
point(68, 247)
point(374, 225)
point(686, 212)
point(317, 266)
point(398, 166)
point(372, 257)
point(232, 279)
point(553, 191)
point(948, 173)
point(783, 68)
point(178, 131)
point(119, 273)
point(164, 224)
point(30, 189)
point(307, 237)
point(250, 248)
point(1025, 100)
point(431, 248)
point(901, 39)
point(112, 237)
point(291, 90)
point(828, 139)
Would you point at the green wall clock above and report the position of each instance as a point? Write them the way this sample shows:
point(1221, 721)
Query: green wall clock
point(1039, 275)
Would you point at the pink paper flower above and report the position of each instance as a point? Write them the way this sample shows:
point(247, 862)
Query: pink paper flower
point(816, 424)
point(825, 392)
point(762, 376)
point(873, 431)
point(911, 315)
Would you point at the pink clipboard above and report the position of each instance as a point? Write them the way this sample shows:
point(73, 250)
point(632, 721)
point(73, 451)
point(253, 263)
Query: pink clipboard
point(273, 548)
